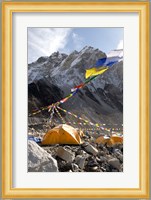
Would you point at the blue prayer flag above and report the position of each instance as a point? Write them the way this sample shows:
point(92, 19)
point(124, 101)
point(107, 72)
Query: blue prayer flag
point(111, 60)
point(100, 62)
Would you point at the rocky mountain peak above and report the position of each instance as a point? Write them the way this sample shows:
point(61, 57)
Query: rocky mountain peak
point(88, 49)
point(57, 55)
point(60, 71)
point(42, 59)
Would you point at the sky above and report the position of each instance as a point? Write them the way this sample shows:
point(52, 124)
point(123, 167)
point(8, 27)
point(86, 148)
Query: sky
point(45, 41)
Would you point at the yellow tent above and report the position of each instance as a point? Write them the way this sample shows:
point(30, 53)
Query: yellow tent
point(114, 139)
point(62, 134)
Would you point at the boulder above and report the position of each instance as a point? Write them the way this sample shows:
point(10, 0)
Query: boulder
point(114, 162)
point(90, 149)
point(65, 154)
point(119, 156)
point(80, 161)
point(39, 160)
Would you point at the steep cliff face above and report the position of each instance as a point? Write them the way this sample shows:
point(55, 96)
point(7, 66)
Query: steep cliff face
point(51, 78)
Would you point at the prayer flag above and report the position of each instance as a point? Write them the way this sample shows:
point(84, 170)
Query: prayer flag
point(100, 62)
point(94, 71)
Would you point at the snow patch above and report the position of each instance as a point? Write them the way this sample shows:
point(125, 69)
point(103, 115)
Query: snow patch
point(77, 60)
point(116, 53)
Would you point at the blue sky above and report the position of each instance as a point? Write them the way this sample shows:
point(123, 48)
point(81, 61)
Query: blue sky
point(45, 41)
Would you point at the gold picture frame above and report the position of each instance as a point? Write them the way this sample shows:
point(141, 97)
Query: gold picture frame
point(8, 8)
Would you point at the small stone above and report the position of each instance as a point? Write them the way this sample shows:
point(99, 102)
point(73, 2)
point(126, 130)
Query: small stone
point(101, 146)
point(80, 161)
point(82, 152)
point(94, 169)
point(103, 159)
point(116, 151)
point(67, 147)
point(98, 159)
point(75, 167)
point(65, 154)
point(104, 148)
point(77, 158)
point(114, 162)
point(106, 166)
point(114, 170)
point(92, 162)
point(103, 169)
point(92, 139)
point(90, 149)
point(121, 168)
point(119, 156)
point(109, 157)
point(101, 153)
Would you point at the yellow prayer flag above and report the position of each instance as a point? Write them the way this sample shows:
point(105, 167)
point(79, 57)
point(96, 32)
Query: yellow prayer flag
point(94, 71)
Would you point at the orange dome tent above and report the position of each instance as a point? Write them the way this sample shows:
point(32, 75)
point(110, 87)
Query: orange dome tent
point(62, 134)
point(114, 139)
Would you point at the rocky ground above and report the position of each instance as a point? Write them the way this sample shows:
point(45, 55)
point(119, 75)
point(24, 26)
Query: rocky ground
point(86, 157)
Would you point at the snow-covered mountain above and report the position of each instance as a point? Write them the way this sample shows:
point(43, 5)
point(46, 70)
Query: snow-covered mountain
point(51, 78)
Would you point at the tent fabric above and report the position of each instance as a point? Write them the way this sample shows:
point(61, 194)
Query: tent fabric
point(62, 134)
point(114, 139)
point(35, 139)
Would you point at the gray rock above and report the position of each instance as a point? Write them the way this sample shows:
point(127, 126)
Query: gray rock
point(67, 147)
point(80, 161)
point(101, 153)
point(116, 151)
point(82, 152)
point(109, 157)
point(103, 169)
point(121, 168)
point(90, 149)
point(114, 162)
point(95, 168)
point(65, 154)
point(39, 160)
point(119, 156)
point(75, 167)
point(114, 170)
point(102, 159)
